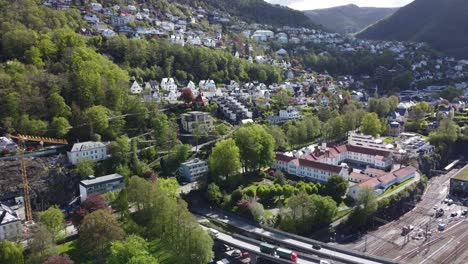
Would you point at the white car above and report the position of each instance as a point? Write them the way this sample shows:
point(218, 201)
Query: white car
point(215, 232)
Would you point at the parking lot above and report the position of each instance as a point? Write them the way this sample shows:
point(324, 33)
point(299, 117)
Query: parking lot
point(431, 237)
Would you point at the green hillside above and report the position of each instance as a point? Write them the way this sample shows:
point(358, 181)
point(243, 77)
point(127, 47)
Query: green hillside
point(258, 11)
point(442, 24)
point(349, 18)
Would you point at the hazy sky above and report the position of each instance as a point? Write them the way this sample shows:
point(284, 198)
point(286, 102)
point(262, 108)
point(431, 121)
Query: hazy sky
point(314, 4)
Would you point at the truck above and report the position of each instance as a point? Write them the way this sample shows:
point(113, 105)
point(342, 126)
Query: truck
point(407, 229)
point(280, 252)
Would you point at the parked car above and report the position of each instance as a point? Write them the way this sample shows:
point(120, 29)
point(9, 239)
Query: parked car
point(450, 202)
point(453, 214)
point(316, 246)
point(225, 248)
point(236, 254)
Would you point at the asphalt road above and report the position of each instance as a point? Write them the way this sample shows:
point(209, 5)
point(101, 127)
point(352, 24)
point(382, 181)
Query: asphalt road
point(332, 255)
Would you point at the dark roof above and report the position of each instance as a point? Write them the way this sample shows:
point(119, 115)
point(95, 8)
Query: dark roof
point(368, 151)
point(284, 158)
point(319, 166)
point(401, 111)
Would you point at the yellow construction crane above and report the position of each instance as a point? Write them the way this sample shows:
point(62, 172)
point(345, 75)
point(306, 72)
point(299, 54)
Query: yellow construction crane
point(27, 200)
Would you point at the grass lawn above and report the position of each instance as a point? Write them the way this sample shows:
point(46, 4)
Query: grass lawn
point(340, 214)
point(396, 187)
point(389, 140)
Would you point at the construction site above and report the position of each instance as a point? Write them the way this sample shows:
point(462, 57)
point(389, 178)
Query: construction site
point(434, 231)
point(34, 175)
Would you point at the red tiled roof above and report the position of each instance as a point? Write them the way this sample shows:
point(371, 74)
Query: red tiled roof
point(404, 171)
point(374, 171)
point(359, 176)
point(320, 166)
point(370, 183)
point(284, 158)
point(386, 178)
point(368, 151)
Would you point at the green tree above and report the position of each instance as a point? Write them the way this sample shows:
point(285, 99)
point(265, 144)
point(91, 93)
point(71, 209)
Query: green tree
point(256, 146)
point(97, 118)
point(334, 129)
point(281, 141)
point(85, 167)
point(366, 206)
point(371, 125)
point(336, 187)
point(100, 222)
point(130, 250)
point(450, 93)
point(325, 209)
point(224, 161)
point(53, 219)
point(41, 245)
point(11, 253)
point(213, 193)
point(57, 106)
point(60, 126)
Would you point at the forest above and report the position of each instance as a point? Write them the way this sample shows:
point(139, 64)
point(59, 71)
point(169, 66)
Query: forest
point(53, 79)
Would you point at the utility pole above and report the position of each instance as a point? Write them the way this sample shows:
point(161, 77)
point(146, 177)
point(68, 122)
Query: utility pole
point(365, 244)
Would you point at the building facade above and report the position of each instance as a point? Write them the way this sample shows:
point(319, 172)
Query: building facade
point(6, 144)
point(109, 183)
point(193, 119)
point(87, 150)
point(191, 170)
point(10, 224)
point(309, 170)
point(379, 182)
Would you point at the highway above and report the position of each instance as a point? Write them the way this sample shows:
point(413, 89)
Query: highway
point(290, 242)
point(252, 247)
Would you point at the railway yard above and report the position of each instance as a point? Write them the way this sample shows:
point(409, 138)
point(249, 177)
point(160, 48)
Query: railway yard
point(431, 238)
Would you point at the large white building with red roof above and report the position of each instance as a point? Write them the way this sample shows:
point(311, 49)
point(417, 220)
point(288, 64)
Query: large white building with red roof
point(309, 169)
point(381, 182)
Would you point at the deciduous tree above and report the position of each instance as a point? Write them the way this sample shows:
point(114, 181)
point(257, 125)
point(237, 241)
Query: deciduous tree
point(53, 219)
point(11, 253)
point(224, 161)
point(97, 231)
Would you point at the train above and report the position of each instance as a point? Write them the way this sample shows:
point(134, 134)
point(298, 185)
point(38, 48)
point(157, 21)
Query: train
point(278, 251)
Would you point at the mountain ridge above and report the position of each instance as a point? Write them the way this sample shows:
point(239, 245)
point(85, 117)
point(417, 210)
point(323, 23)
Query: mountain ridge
point(438, 23)
point(348, 18)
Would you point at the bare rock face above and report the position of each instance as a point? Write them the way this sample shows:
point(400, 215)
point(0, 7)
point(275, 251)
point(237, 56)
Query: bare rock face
point(49, 181)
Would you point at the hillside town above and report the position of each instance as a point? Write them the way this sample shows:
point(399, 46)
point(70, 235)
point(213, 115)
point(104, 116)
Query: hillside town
point(226, 141)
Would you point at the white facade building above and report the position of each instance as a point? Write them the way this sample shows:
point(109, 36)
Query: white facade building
point(191, 119)
point(289, 113)
point(87, 150)
point(135, 88)
point(168, 84)
point(309, 170)
point(10, 224)
point(193, 169)
point(6, 144)
point(109, 183)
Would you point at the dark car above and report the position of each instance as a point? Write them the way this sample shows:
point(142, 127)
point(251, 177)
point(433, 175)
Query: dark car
point(316, 246)
point(225, 247)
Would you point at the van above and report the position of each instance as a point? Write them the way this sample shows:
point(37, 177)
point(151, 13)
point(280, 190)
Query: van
point(441, 227)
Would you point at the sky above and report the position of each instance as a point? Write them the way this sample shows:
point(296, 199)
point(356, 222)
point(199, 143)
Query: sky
point(315, 4)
